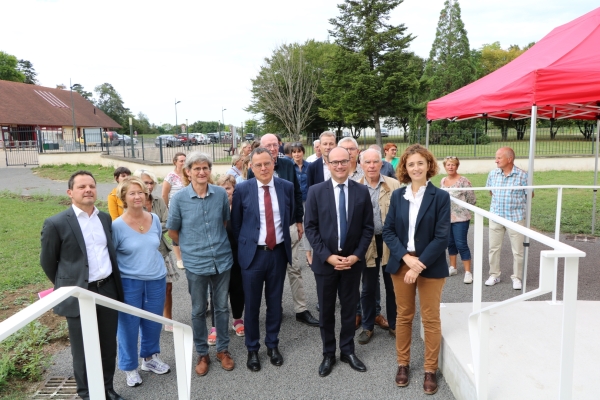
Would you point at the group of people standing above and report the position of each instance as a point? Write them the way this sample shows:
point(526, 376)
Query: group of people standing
point(345, 214)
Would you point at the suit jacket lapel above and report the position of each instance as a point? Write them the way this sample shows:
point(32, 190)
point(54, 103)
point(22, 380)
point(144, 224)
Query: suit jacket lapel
point(404, 208)
point(331, 199)
point(74, 224)
point(427, 200)
point(254, 199)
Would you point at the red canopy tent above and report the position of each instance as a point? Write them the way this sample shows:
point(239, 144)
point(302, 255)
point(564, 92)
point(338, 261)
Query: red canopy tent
point(560, 74)
point(559, 77)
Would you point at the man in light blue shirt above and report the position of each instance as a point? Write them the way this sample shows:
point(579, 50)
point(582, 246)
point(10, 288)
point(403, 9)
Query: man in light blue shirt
point(198, 214)
point(509, 204)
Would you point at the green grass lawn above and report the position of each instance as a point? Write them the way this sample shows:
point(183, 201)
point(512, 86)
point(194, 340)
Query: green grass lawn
point(64, 171)
point(576, 204)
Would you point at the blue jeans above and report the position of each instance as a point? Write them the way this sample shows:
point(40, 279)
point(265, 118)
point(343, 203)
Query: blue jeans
point(198, 288)
point(148, 296)
point(457, 241)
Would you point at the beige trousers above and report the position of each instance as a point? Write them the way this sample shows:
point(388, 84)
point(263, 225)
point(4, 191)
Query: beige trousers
point(516, 244)
point(294, 271)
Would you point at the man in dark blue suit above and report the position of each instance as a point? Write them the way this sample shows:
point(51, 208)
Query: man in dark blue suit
point(317, 171)
point(261, 214)
point(339, 227)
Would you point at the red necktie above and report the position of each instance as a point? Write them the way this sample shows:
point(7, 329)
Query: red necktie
point(271, 240)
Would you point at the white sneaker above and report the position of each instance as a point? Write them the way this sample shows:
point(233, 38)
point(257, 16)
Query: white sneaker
point(133, 378)
point(468, 277)
point(156, 365)
point(452, 271)
point(517, 285)
point(492, 281)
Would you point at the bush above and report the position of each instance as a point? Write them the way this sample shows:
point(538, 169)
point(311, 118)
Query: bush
point(458, 138)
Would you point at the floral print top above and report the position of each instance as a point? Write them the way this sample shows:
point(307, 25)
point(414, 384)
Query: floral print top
point(458, 213)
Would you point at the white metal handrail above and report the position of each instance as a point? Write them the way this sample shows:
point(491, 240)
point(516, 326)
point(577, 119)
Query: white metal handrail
point(479, 318)
point(182, 334)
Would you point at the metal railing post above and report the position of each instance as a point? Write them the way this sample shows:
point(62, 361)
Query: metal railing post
point(91, 345)
point(557, 237)
point(160, 149)
point(568, 328)
point(143, 155)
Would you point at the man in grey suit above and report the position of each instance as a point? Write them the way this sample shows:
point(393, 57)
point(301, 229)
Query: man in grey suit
point(77, 250)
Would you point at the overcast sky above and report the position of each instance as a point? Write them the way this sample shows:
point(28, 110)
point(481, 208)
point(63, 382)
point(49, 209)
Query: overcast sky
point(204, 53)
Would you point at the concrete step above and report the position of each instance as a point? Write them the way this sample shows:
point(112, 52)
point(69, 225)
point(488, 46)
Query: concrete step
point(524, 351)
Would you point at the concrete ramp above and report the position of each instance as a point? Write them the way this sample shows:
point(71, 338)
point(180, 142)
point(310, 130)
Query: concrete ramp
point(524, 351)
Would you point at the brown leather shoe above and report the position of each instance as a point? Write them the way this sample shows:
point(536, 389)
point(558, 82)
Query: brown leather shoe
point(226, 360)
point(358, 321)
point(202, 365)
point(402, 376)
point(382, 322)
point(392, 332)
point(430, 383)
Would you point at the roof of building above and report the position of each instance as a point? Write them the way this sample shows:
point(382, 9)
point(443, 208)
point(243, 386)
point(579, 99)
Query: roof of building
point(24, 104)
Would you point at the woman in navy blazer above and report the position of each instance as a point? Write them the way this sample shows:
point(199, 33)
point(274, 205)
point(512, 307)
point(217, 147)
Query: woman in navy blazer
point(416, 232)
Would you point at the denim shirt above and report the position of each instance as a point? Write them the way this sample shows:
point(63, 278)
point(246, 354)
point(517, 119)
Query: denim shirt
point(302, 178)
point(205, 249)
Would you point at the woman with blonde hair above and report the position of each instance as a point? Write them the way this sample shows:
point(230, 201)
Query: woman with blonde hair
point(157, 206)
point(416, 231)
point(137, 235)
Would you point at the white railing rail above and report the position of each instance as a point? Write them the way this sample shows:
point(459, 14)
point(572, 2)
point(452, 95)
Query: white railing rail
point(182, 334)
point(479, 318)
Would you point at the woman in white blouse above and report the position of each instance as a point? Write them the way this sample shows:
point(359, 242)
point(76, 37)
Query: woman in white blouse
point(416, 231)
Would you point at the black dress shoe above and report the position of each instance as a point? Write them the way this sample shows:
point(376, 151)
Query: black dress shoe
point(354, 362)
point(276, 357)
point(326, 365)
point(112, 395)
point(307, 318)
point(253, 362)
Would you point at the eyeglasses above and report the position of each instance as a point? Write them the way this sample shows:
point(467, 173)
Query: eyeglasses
point(343, 163)
point(148, 183)
point(271, 146)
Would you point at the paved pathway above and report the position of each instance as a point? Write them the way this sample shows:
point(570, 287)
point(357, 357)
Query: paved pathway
point(300, 344)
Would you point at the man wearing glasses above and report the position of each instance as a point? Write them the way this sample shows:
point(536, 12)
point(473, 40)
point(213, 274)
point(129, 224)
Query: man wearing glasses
point(284, 169)
point(355, 171)
point(339, 227)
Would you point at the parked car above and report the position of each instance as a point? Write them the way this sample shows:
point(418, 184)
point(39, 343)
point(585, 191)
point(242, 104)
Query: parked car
point(184, 138)
point(201, 138)
point(227, 138)
point(250, 136)
point(118, 140)
point(167, 141)
point(384, 132)
point(214, 137)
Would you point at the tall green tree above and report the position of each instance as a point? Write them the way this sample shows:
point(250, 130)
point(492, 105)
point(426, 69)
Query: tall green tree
point(110, 101)
point(285, 89)
point(9, 70)
point(26, 68)
point(449, 66)
point(84, 93)
point(362, 29)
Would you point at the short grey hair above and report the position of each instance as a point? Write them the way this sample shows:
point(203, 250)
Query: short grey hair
point(348, 139)
point(197, 158)
point(140, 172)
point(327, 133)
point(260, 150)
point(369, 150)
point(316, 142)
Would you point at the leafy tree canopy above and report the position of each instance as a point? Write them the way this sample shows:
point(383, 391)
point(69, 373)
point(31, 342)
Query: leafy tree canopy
point(9, 70)
point(110, 101)
point(79, 89)
point(26, 68)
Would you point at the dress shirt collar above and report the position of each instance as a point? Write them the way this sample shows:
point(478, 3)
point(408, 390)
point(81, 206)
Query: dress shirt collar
point(345, 183)
point(192, 192)
point(381, 180)
point(271, 183)
point(78, 211)
point(408, 195)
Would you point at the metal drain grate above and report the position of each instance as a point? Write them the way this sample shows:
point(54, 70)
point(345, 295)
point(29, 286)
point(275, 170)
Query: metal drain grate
point(58, 387)
point(581, 238)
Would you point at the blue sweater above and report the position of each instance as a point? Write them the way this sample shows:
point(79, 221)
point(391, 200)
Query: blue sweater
point(137, 253)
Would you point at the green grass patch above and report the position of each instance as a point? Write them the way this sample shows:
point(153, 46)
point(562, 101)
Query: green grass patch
point(576, 203)
point(64, 171)
point(22, 220)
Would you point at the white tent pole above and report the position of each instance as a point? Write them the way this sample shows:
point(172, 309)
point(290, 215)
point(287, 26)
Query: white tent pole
point(427, 135)
point(595, 176)
point(532, 135)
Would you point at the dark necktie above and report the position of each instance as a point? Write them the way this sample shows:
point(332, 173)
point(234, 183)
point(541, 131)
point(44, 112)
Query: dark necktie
point(270, 240)
point(342, 211)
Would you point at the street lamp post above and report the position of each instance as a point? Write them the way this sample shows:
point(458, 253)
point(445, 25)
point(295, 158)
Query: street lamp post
point(223, 119)
point(176, 102)
point(187, 132)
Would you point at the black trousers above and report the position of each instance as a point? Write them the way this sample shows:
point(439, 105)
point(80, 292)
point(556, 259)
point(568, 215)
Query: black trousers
point(345, 283)
point(107, 331)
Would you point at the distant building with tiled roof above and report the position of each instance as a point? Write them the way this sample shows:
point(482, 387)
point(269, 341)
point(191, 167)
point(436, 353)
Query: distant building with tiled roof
point(25, 109)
